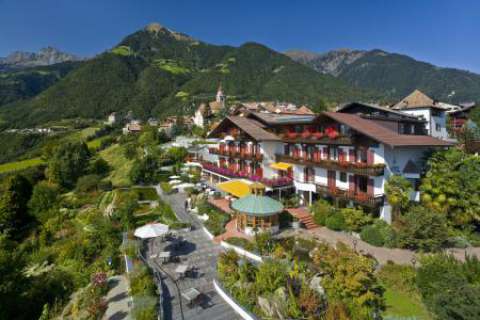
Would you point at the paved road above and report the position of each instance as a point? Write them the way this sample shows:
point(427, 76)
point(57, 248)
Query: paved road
point(200, 252)
point(118, 299)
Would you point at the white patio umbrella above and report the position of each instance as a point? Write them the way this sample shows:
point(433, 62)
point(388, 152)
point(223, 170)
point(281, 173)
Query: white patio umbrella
point(172, 182)
point(174, 177)
point(152, 230)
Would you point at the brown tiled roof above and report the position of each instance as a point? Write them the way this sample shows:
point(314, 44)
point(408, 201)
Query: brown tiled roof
point(377, 132)
point(416, 99)
point(251, 127)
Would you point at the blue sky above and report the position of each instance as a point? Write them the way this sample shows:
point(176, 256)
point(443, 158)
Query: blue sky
point(443, 32)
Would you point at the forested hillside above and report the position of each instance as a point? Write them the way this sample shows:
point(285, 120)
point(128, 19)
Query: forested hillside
point(394, 75)
point(155, 71)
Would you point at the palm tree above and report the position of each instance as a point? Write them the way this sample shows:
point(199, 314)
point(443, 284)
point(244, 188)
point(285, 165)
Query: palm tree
point(397, 191)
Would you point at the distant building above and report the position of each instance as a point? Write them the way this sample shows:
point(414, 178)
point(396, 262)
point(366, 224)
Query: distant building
point(169, 122)
point(420, 105)
point(458, 118)
point(270, 107)
point(133, 126)
point(112, 118)
point(152, 122)
point(206, 111)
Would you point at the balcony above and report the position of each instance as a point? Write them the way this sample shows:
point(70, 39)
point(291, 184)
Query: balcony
point(273, 183)
point(353, 167)
point(359, 198)
point(236, 154)
point(317, 137)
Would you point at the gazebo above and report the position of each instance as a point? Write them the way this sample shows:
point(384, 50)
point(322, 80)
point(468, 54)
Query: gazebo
point(256, 212)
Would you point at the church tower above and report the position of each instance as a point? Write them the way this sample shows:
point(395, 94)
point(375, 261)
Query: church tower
point(220, 98)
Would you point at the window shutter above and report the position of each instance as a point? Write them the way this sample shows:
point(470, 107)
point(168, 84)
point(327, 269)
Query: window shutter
point(351, 156)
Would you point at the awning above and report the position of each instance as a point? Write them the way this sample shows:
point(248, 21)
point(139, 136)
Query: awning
point(281, 166)
point(236, 188)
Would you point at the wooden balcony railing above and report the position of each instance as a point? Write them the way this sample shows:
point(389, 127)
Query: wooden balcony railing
point(353, 167)
point(278, 182)
point(246, 155)
point(360, 198)
point(317, 138)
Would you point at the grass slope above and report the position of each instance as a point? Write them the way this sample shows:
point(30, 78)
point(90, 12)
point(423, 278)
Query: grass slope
point(120, 165)
point(20, 165)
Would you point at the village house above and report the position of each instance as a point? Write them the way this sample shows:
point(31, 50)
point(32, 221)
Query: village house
point(420, 105)
point(134, 126)
point(344, 156)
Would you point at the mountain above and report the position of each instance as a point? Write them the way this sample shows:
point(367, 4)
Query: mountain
point(45, 57)
point(158, 72)
point(28, 82)
point(394, 75)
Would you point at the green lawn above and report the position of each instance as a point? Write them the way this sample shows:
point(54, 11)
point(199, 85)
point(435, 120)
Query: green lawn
point(95, 143)
point(20, 165)
point(146, 193)
point(401, 304)
point(120, 165)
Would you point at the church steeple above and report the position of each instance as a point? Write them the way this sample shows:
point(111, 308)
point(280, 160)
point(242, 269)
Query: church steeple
point(220, 96)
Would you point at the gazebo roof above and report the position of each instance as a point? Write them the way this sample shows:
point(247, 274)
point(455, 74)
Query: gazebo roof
point(256, 205)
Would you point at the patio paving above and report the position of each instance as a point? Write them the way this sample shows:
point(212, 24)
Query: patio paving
point(198, 251)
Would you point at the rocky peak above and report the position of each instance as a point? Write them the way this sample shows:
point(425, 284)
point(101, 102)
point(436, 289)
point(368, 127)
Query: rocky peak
point(44, 57)
point(331, 62)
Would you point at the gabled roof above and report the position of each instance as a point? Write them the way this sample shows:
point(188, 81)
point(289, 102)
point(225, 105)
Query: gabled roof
point(283, 119)
point(375, 131)
point(415, 100)
point(345, 107)
point(250, 126)
point(304, 110)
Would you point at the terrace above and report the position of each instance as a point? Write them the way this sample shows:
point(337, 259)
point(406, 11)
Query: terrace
point(360, 168)
point(226, 172)
point(358, 197)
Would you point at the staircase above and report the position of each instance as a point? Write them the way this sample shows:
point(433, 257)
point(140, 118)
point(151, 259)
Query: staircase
point(304, 217)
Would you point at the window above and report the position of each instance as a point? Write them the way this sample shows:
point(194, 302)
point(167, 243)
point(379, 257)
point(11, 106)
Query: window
point(438, 127)
point(343, 176)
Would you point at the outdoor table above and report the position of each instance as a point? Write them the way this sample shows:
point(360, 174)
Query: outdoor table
point(191, 295)
point(165, 256)
point(182, 270)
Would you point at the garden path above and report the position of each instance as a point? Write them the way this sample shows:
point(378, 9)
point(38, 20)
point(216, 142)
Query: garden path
point(118, 299)
point(383, 255)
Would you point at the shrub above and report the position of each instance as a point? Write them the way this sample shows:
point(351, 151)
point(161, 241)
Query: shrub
point(422, 229)
point(166, 187)
point(378, 234)
point(99, 166)
point(321, 211)
point(336, 222)
point(105, 185)
point(141, 282)
point(355, 219)
point(88, 183)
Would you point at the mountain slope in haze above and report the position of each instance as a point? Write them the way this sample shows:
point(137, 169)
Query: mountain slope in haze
point(156, 71)
point(45, 57)
point(28, 82)
point(394, 75)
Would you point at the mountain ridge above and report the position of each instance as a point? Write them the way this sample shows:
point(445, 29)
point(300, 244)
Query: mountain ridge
point(44, 57)
point(393, 74)
point(156, 71)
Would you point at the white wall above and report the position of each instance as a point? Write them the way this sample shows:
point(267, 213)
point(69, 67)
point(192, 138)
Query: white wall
point(269, 149)
point(432, 121)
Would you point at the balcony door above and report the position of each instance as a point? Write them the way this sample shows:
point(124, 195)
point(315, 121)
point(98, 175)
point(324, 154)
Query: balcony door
point(331, 179)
